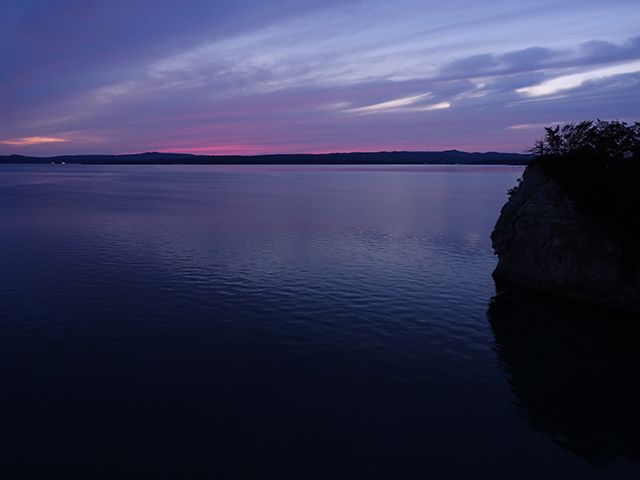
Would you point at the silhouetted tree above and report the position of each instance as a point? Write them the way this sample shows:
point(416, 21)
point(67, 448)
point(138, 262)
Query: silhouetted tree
point(605, 140)
point(597, 163)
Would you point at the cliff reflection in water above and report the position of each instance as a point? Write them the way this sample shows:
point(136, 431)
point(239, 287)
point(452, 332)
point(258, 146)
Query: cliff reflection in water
point(574, 371)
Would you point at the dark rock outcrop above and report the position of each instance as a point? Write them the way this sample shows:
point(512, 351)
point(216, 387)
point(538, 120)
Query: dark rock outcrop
point(545, 242)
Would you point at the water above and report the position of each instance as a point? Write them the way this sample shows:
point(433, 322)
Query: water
point(291, 322)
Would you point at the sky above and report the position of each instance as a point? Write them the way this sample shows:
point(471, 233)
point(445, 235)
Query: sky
point(309, 76)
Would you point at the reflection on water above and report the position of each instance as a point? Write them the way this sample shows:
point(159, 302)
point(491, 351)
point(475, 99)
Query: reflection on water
point(574, 371)
point(280, 322)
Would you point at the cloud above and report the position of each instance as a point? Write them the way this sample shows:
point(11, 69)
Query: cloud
point(413, 103)
point(390, 105)
point(575, 80)
point(308, 75)
point(473, 66)
point(537, 59)
point(25, 141)
point(529, 57)
point(533, 126)
point(598, 51)
point(434, 106)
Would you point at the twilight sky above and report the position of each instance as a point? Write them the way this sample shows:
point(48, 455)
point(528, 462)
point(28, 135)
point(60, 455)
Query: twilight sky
point(288, 76)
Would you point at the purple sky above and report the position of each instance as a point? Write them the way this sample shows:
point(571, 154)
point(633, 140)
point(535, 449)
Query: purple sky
point(286, 76)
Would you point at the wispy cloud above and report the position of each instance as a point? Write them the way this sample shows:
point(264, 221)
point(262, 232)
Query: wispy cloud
point(434, 106)
point(24, 141)
point(569, 82)
point(533, 126)
point(390, 105)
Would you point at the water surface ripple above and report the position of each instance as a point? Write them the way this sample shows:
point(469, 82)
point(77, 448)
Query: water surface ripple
point(263, 322)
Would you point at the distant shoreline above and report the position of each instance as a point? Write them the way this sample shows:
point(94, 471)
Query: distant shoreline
point(449, 157)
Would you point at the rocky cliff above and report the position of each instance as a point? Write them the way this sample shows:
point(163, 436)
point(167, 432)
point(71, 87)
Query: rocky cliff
point(545, 242)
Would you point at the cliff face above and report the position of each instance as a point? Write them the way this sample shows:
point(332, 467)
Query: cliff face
point(545, 243)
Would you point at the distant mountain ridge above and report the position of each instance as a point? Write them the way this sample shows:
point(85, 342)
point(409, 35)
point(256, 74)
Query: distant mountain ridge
point(447, 157)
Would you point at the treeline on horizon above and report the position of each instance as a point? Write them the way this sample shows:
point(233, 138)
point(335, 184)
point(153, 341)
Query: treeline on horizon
point(354, 158)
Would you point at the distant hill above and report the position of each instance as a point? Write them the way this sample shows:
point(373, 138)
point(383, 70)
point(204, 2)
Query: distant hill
point(447, 157)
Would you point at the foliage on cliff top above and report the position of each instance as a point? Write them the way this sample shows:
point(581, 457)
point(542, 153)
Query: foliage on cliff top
point(598, 165)
point(606, 141)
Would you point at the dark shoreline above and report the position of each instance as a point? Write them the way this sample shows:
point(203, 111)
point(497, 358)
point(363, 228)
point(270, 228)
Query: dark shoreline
point(449, 157)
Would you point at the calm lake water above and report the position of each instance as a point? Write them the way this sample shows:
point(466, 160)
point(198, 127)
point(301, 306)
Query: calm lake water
point(292, 322)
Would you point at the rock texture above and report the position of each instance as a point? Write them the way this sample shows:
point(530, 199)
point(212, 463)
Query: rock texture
point(545, 243)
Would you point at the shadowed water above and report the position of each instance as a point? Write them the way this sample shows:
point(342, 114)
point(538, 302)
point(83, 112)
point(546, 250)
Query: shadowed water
point(278, 322)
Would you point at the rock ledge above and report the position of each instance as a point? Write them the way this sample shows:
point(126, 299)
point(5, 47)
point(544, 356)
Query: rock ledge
point(545, 243)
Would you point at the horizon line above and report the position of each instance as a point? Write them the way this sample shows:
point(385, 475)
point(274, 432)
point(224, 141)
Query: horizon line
point(354, 152)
